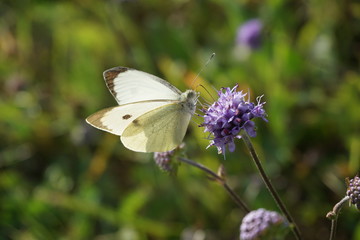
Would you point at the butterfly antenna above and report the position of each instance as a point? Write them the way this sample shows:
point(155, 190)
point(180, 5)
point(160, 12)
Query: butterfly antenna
point(200, 85)
point(205, 104)
point(207, 62)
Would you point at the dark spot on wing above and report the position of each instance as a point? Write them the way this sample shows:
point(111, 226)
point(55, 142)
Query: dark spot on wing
point(136, 122)
point(127, 116)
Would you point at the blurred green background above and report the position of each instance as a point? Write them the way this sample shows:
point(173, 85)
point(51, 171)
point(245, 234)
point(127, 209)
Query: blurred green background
point(62, 179)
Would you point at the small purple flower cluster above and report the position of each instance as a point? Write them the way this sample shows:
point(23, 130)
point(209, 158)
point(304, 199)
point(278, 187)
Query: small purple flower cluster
point(259, 222)
point(163, 160)
point(353, 191)
point(228, 115)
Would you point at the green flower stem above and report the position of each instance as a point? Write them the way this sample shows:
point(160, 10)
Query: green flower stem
point(333, 215)
point(220, 180)
point(269, 186)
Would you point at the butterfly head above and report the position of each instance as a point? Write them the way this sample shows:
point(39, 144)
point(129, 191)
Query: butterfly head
point(190, 97)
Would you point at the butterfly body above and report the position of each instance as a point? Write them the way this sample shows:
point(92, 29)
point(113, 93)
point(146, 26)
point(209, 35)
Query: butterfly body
point(152, 115)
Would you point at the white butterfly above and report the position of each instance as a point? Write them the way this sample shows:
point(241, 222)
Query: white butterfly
point(153, 115)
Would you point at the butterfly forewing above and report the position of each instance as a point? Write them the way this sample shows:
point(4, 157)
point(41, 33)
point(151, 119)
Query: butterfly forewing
point(116, 119)
point(129, 85)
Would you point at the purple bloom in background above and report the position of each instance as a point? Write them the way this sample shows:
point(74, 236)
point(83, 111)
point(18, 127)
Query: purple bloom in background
point(228, 115)
point(260, 223)
point(249, 34)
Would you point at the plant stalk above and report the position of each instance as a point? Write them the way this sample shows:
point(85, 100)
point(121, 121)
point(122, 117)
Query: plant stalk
point(333, 216)
point(220, 180)
point(268, 184)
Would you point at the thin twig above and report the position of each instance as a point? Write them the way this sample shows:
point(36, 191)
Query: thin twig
point(333, 216)
point(220, 180)
point(333, 229)
point(269, 186)
point(336, 209)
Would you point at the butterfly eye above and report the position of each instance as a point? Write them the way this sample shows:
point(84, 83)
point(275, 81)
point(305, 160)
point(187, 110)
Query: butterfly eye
point(190, 94)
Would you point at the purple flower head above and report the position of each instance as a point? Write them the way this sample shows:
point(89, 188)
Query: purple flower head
point(260, 223)
point(249, 34)
point(165, 159)
point(353, 191)
point(228, 115)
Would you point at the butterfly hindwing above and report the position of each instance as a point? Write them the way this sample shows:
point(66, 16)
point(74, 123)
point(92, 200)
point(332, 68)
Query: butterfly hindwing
point(159, 130)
